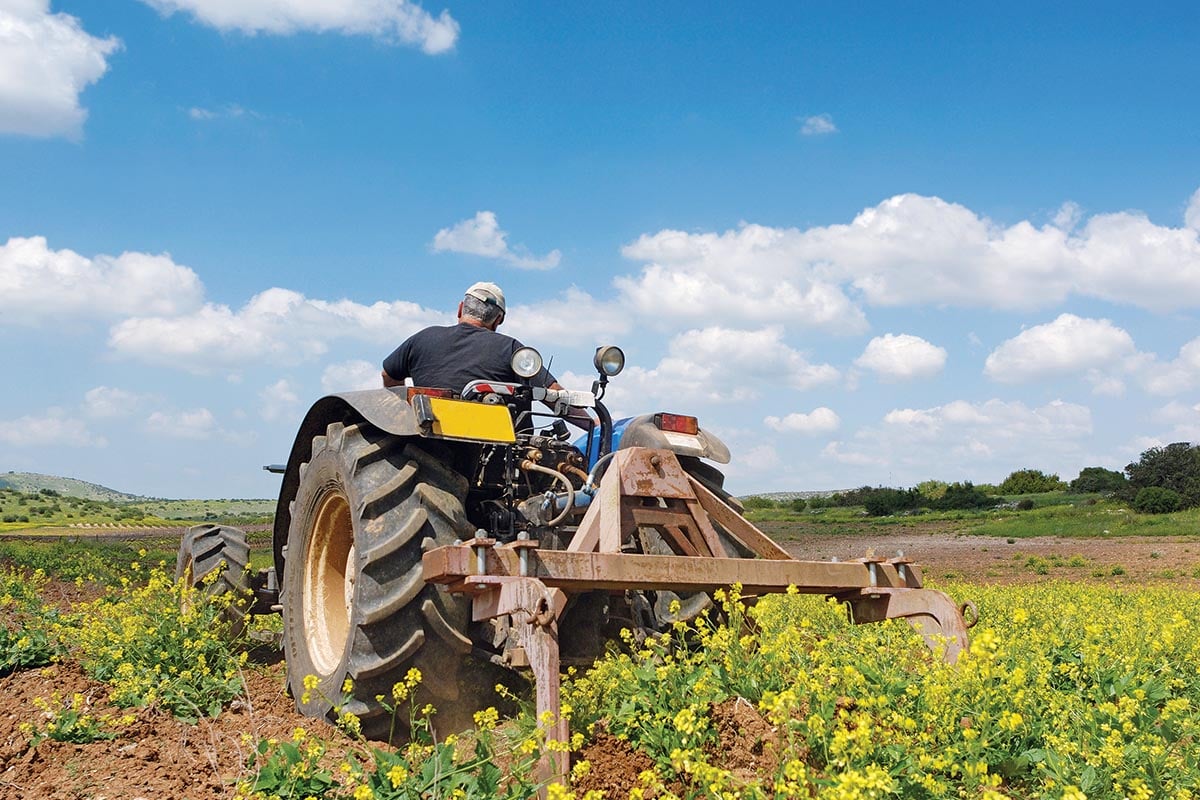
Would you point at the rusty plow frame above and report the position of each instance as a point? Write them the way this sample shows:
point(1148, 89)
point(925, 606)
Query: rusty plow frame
point(649, 488)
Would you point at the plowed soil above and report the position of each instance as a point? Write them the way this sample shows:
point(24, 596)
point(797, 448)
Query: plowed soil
point(160, 757)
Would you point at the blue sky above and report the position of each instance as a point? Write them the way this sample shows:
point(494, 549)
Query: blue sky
point(865, 244)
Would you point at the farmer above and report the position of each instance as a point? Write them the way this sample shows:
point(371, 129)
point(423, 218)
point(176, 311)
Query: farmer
point(451, 356)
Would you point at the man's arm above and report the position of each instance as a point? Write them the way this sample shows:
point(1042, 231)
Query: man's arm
point(389, 381)
point(577, 415)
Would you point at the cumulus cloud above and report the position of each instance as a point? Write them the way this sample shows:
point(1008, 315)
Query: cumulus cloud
point(481, 236)
point(106, 402)
point(46, 61)
point(721, 365)
point(55, 427)
point(902, 357)
point(913, 250)
point(392, 21)
point(1191, 217)
point(575, 318)
point(969, 440)
point(1069, 344)
point(38, 284)
point(1176, 376)
point(196, 423)
point(279, 402)
point(350, 376)
point(819, 420)
point(277, 324)
point(817, 125)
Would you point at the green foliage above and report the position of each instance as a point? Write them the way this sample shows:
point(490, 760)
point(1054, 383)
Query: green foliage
point(1031, 481)
point(797, 504)
point(162, 643)
point(883, 501)
point(964, 496)
point(1025, 504)
point(1175, 467)
point(93, 562)
point(28, 627)
point(1098, 479)
point(758, 503)
point(932, 490)
point(292, 769)
point(70, 721)
point(1157, 500)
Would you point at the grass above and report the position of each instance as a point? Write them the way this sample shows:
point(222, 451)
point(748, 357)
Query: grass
point(1054, 514)
point(21, 511)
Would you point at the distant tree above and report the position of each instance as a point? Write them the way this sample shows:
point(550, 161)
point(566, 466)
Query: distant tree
point(798, 504)
point(964, 496)
point(1031, 481)
point(932, 490)
point(759, 502)
point(1175, 467)
point(883, 501)
point(1098, 479)
point(1157, 500)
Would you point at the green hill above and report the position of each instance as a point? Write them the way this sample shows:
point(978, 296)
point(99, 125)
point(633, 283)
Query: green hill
point(32, 482)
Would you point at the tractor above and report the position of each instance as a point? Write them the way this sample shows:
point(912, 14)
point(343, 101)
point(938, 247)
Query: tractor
point(467, 533)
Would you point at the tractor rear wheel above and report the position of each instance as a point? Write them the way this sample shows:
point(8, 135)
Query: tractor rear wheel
point(355, 602)
point(208, 549)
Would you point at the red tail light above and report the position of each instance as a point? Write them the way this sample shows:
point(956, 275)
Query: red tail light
point(415, 390)
point(677, 423)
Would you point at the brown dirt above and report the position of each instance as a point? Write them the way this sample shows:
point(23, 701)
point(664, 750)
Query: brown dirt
point(615, 766)
point(156, 756)
point(944, 554)
point(748, 745)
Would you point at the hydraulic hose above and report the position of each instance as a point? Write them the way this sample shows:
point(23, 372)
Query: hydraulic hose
point(606, 428)
point(591, 484)
point(529, 466)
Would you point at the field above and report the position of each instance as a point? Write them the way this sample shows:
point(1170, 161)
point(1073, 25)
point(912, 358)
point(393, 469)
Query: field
point(49, 511)
point(1081, 682)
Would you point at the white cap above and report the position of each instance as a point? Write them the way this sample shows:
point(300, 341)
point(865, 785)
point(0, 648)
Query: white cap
point(488, 293)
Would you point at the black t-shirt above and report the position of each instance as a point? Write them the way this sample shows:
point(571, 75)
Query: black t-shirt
point(450, 357)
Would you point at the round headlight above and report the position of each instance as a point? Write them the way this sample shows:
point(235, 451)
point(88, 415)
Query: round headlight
point(527, 362)
point(609, 360)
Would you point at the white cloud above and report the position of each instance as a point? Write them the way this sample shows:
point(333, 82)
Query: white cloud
point(54, 428)
point(481, 236)
point(393, 21)
point(575, 318)
point(817, 125)
point(720, 365)
point(197, 423)
point(902, 357)
point(106, 402)
point(1174, 377)
point(350, 376)
point(819, 420)
point(967, 441)
point(39, 285)
point(1191, 217)
point(278, 324)
point(1069, 344)
point(279, 402)
point(46, 61)
point(233, 111)
point(913, 250)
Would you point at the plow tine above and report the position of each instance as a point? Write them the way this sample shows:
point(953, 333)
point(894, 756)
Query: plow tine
point(931, 612)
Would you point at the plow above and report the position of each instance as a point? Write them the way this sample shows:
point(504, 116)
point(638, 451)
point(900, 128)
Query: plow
point(464, 534)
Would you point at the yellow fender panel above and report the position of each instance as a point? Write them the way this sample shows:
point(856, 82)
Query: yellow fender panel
point(459, 419)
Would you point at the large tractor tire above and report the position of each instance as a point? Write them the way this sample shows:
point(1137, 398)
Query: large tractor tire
point(355, 603)
point(221, 549)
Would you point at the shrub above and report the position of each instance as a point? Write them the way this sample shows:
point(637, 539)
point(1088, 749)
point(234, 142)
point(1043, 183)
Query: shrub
point(1157, 500)
point(798, 504)
point(962, 496)
point(883, 501)
point(932, 490)
point(1031, 481)
point(1175, 467)
point(757, 502)
point(1098, 479)
point(1025, 504)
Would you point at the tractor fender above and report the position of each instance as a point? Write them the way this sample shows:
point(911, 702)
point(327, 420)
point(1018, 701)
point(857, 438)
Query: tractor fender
point(386, 409)
point(642, 432)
